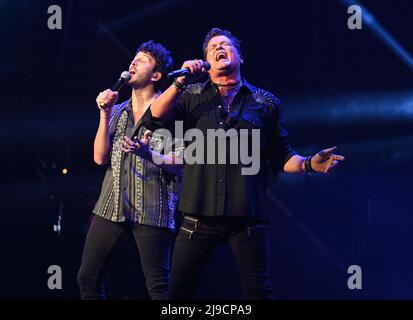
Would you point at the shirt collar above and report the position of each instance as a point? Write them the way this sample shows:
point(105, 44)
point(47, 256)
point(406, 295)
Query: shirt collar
point(208, 83)
point(128, 105)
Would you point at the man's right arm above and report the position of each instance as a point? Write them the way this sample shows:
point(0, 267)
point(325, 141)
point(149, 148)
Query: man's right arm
point(101, 146)
point(162, 107)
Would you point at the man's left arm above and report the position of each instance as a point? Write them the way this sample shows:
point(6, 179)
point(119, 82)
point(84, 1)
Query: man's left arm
point(286, 159)
point(322, 162)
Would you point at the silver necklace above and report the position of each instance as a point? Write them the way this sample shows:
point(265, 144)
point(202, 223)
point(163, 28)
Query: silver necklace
point(230, 89)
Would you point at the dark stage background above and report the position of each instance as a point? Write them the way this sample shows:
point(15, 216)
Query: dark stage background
point(350, 88)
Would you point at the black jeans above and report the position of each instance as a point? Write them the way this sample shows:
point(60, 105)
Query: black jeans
point(154, 245)
point(196, 241)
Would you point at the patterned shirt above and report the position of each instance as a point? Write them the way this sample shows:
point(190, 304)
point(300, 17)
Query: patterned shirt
point(135, 189)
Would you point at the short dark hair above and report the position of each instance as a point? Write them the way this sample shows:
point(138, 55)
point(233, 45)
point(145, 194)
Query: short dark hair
point(215, 32)
point(163, 60)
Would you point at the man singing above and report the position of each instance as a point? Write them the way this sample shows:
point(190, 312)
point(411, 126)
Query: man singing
point(137, 196)
point(220, 203)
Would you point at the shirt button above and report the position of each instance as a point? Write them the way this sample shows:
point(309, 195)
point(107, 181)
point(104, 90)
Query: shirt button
point(220, 180)
point(219, 107)
point(221, 123)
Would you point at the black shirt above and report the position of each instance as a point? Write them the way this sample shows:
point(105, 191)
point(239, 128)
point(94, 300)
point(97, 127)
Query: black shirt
point(220, 189)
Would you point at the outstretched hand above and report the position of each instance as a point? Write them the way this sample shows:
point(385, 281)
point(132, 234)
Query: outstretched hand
point(325, 161)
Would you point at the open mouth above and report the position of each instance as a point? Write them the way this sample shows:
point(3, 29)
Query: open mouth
point(132, 72)
point(220, 56)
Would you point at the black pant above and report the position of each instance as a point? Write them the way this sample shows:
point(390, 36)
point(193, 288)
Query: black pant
point(196, 241)
point(154, 245)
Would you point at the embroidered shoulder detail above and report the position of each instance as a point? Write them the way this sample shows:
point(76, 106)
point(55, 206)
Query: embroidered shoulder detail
point(195, 88)
point(264, 97)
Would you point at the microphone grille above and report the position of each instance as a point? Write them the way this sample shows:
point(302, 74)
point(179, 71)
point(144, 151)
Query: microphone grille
point(207, 66)
point(125, 75)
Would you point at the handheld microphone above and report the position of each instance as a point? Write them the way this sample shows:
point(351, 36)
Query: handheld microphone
point(123, 79)
point(186, 71)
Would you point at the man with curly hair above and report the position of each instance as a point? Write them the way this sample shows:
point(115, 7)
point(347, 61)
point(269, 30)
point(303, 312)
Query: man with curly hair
point(220, 203)
point(138, 197)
